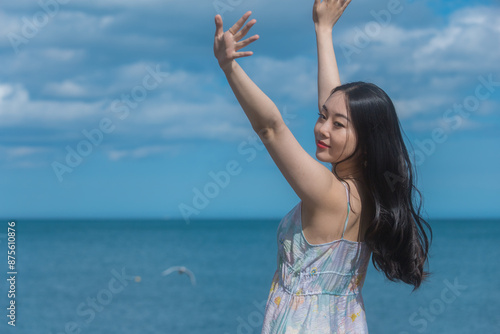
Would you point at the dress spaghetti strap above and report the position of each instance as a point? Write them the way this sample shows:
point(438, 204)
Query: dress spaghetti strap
point(348, 208)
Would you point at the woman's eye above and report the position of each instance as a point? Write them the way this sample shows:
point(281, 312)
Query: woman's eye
point(338, 124)
point(320, 115)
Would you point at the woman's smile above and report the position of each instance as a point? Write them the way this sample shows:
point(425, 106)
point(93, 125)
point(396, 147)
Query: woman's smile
point(320, 144)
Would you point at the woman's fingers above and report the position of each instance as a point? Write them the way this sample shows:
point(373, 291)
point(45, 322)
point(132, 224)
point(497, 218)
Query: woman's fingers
point(219, 29)
point(346, 3)
point(242, 54)
point(227, 44)
point(328, 11)
point(242, 33)
point(246, 42)
point(237, 26)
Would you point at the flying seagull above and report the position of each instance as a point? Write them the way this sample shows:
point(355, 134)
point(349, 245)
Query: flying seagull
point(180, 270)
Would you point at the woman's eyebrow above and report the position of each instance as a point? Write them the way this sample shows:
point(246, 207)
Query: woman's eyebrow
point(336, 114)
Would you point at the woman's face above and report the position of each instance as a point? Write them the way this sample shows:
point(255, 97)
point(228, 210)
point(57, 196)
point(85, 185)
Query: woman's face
point(334, 129)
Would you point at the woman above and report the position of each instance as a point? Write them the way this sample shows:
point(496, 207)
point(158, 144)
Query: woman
point(363, 206)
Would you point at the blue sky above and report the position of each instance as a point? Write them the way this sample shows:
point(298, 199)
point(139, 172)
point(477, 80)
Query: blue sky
point(133, 88)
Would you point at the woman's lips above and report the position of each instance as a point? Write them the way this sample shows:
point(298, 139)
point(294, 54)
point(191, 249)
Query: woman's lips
point(321, 144)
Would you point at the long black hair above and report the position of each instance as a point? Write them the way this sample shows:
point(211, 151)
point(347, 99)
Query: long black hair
point(396, 232)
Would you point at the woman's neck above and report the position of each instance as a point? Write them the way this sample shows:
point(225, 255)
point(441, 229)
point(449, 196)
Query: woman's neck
point(349, 172)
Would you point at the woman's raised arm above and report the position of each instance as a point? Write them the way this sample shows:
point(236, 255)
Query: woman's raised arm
point(260, 110)
point(325, 14)
point(310, 180)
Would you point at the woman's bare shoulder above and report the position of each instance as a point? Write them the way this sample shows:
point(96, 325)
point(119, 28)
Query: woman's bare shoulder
point(325, 223)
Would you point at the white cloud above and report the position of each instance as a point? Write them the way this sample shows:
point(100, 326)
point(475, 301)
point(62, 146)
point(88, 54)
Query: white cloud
point(66, 88)
point(6, 91)
point(407, 108)
point(292, 80)
point(8, 24)
point(470, 42)
point(427, 70)
point(141, 152)
point(16, 108)
point(22, 151)
point(23, 156)
point(62, 54)
point(213, 130)
point(429, 125)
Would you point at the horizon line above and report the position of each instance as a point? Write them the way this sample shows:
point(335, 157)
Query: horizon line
point(175, 219)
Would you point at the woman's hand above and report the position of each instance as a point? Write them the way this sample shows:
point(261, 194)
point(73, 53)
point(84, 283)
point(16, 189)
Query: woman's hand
point(227, 44)
point(327, 12)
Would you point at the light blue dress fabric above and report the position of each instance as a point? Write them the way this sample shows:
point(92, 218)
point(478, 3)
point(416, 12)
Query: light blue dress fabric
point(316, 288)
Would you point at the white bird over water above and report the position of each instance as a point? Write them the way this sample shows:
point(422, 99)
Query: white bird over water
point(180, 270)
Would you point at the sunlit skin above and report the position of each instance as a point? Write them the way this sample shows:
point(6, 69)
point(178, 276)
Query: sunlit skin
point(334, 128)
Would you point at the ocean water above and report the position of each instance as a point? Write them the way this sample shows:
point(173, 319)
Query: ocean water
point(104, 276)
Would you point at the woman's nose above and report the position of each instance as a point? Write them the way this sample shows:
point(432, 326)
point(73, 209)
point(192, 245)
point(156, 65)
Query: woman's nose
point(324, 129)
